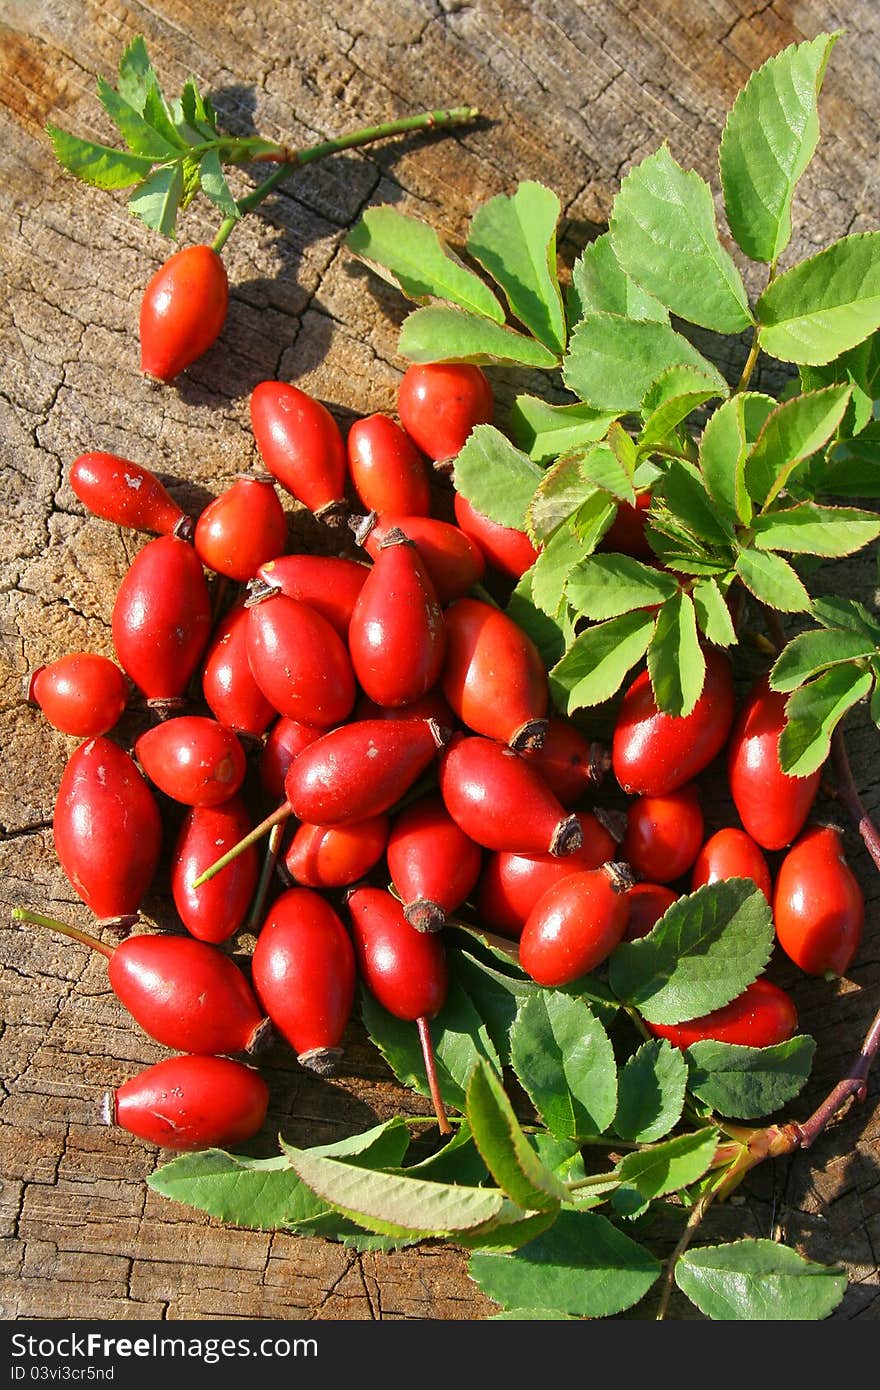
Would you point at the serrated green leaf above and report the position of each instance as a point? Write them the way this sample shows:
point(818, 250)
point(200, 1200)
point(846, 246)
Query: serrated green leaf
point(593, 668)
point(612, 361)
point(98, 165)
point(457, 1161)
point(817, 650)
point(495, 995)
point(813, 712)
point(847, 613)
point(851, 468)
point(860, 367)
point(669, 1166)
point(676, 664)
point(664, 235)
point(682, 490)
point(156, 112)
point(136, 75)
point(156, 201)
point(769, 139)
point(558, 495)
point(749, 1083)
point(758, 1281)
point(592, 519)
point(670, 400)
point(551, 570)
point(601, 466)
point(454, 335)
point(514, 239)
point(411, 255)
point(138, 134)
point(550, 635)
point(565, 1062)
point(825, 305)
point(583, 1266)
point(604, 586)
point(791, 433)
point(597, 282)
point(713, 614)
point(214, 185)
point(651, 1091)
point(706, 950)
point(808, 529)
point(496, 477)
point(196, 111)
point(507, 1153)
point(772, 580)
point(509, 1230)
point(727, 440)
point(546, 431)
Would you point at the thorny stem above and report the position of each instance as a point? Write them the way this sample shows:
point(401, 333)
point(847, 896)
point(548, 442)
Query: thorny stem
point(293, 159)
point(687, 1235)
point(431, 1073)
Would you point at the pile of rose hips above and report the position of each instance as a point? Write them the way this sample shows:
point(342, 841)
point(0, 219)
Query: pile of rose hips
point(401, 722)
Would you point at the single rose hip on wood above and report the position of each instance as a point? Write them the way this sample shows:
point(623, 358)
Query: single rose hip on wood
point(81, 693)
point(189, 1103)
point(182, 311)
point(128, 494)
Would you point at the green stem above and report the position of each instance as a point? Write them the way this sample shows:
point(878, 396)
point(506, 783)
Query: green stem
point(255, 916)
point(250, 839)
point(425, 120)
point(751, 360)
point(36, 919)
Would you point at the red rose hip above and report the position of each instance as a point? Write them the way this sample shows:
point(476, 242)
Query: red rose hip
point(190, 1103)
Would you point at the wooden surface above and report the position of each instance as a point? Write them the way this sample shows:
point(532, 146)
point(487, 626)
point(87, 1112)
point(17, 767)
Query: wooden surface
point(573, 95)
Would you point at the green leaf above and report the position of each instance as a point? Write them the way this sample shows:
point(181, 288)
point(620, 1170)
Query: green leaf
point(670, 1166)
point(458, 1161)
point(509, 1230)
point(670, 400)
point(453, 335)
point(196, 111)
point(583, 1266)
point(808, 529)
point(564, 549)
point(825, 305)
point(597, 282)
point(157, 113)
point(768, 141)
point(593, 668)
point(495, 995)
point(727, 440)
point(682, 490)
point(545, 431)
point(514, 238)
point(214, 185)
point(748, 1083)
point(604, 586)
point(565, 1062)
point(812, 714)
point(676, 663)
point(706, 950)
point(612, 361)
point(772, 580)
point(99, 165)
point(847, 613)
point(556, 498)
point(136, 75)
point(550, 635)
point(713, 614)
point(651, 1092)
point(157, 199)
point(758, 1281)
point(137, 133)
point(605, 465)
point(811, 652)
point(531, 1315)
point(496, 477)
point(664, 235)
point(791, 433)
point(410, 254)
point(507, 1153)
point(851, 469)
point(592, 519)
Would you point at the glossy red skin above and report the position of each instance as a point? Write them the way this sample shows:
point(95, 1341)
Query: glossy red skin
point(327, 583)
point(215, 911)
point(334, 856)
point(654, 753)
point(188, 1103)
point(818, 905)
point(761, 1016)
point(498, 799)
point(108, 829)
point(568, 762)
point(432, 705)
point(454, 563)
point(440, 402)
point(403, 968)
point(664, 834)
point(647, 904)
point(81, 693)
point(387, 471)
point(192, 759)
point(504, 548)
point(228, 686)
point(626, 534)
point(241, 529)
point(493, 675)
point(772, 806)
point(182, 311)
point(397, 636)
point(359, 770)
point(300, 662)
point(511, 884)
point(125, 493)
point(303, 969)
point(185, 994)
point(731, 853)
point(300, 444)
point(161, 620)
point(430, 859)
point(573, 927)
point(285, 741)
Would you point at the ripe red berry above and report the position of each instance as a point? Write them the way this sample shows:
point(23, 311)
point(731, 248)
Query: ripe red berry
point(731, 853)
point(403, 968)
point(182, 311)
point(360, 769)
point(575, 925)
point(647, 904)
point(493, 675)
point(243, 528)
point(504, 547)
point(501, 802)
point(761, 1016)
point(626, 534)
point(300, 444)
point(818, 905)
point(228, 686)
point(397, 637)
point(387, 470)
point(568, 762)
point(216, 910)
point(192, 759)
point(285, 741)
point(440, 402)
point(81, 693)
point(128, 494)
point(299, 661)
point(334, 856)
point(189, 1103)
point(454, 563)
point(432, 863)
point(772, 806)
point(327, 583)
point(664, 834)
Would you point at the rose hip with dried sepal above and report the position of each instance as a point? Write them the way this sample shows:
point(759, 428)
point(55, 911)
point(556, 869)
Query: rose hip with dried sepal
point(329, 584)
point(493, 675)
point(499, 800)
point(299, 661)
point(127, 494)
point(575, 925)
point(433, 864)
point(453, 562)
point(301, 445)
point(243, 528)
point(190, 1102)
point(569, 763)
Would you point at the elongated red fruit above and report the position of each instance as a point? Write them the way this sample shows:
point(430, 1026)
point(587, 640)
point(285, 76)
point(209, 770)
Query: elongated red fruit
point(493, 675)
point(217, 910)
point(299, 661)
point(188, 1103)
point(772, 806)
point(433, 864)
point(182, 311)
point(433, 705)
point(360, 769)
point(128, 494)
point(192, 759)
point(403, 968)
point(228, 686)
point(334, 856)
point(575, 925)
point(301, 445)
point(303, 970)
point(108, 831)
point(387, 470)
point(731, 853)
point(243, 528)
point(285, 741)
point(81, 693)
point(569, 763)
point(162, 619)
point(499, 800)
point(818, 906)
point(664, 834)
point(654, 753)
point(440, 402)
point(761, 1016)
point(328, 583)
point(504, 547)
point(454, 563)
point(397, 637)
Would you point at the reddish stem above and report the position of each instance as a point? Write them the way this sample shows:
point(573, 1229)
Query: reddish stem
point(854, 1086)
point(431, 1073)
point(848, 796)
